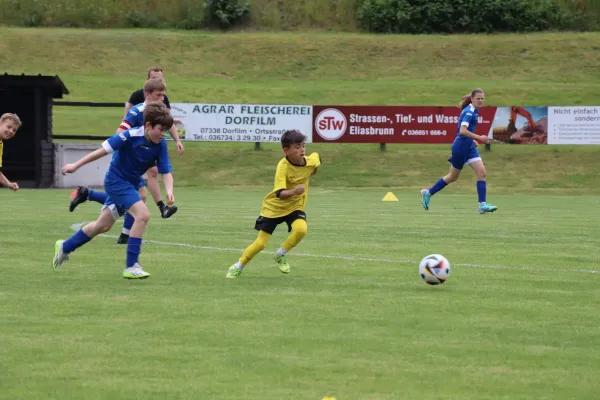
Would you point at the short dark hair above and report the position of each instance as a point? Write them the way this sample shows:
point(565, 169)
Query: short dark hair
point(158, 114)
point(292, 137)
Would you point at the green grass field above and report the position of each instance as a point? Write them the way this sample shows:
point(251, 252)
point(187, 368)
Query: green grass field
point(517, 319)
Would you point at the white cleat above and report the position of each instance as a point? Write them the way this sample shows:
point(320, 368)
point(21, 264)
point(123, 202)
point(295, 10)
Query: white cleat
point(59, 256)
point(135, 272)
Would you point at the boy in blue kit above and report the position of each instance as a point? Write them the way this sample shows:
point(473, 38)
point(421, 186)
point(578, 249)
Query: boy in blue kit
point(154, 90)
point(135, 150)
point(464, 152)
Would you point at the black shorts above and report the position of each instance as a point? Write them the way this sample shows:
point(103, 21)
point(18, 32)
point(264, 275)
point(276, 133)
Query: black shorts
point(269, 224)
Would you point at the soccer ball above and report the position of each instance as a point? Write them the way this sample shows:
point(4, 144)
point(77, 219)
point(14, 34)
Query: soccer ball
point(434, 269)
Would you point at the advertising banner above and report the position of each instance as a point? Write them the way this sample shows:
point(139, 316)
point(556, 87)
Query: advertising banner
point(240, 122)
point(391, 124)
point(574, 125)
point(520, 125)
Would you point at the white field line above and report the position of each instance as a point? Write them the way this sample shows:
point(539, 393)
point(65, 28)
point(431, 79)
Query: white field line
point(76, 227)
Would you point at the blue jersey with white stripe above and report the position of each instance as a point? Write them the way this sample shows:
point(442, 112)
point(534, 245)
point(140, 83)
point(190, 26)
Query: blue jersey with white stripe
point(468, 117)
point(134, 117)
point(134, 154)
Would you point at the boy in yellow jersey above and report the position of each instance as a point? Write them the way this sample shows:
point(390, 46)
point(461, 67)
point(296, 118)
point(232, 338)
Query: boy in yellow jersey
point(285, 203)
point(9, 123)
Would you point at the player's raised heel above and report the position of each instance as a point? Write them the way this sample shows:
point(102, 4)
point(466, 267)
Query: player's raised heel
point(79, 195)
point(233, 272)
point(425, 198)
point(284, 267)
point(59, 256)
point(135, 272)
point(486, 208)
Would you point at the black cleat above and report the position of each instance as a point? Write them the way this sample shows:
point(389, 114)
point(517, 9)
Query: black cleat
point(123, 239)
point(168, 212)
point(79, 195)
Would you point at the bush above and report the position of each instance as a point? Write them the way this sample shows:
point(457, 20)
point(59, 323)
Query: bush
point(28, 13)
point(463, 16)
point(226, 13)
point(583, 14)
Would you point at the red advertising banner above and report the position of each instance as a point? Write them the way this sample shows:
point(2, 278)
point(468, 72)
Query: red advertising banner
point(392, 124)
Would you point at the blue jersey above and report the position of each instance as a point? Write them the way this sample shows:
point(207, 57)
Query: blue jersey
point(468, 117)
point(134, 154)
point(134, 117)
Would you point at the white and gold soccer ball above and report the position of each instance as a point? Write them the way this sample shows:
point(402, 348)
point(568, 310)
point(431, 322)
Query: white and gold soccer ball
point(434, 269)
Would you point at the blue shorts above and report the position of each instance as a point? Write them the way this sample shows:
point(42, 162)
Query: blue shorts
point(460, 158)
point(121, 196)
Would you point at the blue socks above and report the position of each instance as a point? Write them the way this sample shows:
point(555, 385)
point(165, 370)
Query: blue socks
point(439, 185)
point(75, 241)
point(481, 191)
point(128, 223)
point(134, 248)
point(98, 197)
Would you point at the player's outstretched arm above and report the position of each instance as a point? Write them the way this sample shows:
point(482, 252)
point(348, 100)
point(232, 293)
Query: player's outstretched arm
point(168, 184)
point(11, 185)
point(91, 157)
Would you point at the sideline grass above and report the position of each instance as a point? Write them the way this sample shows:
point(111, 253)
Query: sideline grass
point(511, 169)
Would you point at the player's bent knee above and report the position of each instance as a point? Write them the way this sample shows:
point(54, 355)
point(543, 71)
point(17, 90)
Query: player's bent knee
point(143, 216)
point(300, 228)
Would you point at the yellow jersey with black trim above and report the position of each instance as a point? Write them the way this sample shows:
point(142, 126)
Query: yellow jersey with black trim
point(287, 177)
point(1, 152)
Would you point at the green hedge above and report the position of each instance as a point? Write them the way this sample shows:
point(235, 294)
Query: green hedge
point(338, 15)
point(381, 16)
point(470, 16)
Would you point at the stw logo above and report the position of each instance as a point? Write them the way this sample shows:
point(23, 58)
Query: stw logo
point(331, 124)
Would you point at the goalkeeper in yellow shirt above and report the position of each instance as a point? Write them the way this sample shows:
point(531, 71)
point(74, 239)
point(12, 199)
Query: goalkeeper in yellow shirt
point(285, 203)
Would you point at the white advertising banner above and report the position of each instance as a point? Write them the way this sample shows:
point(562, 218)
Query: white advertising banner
point(574, 125)
point(240, 122)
